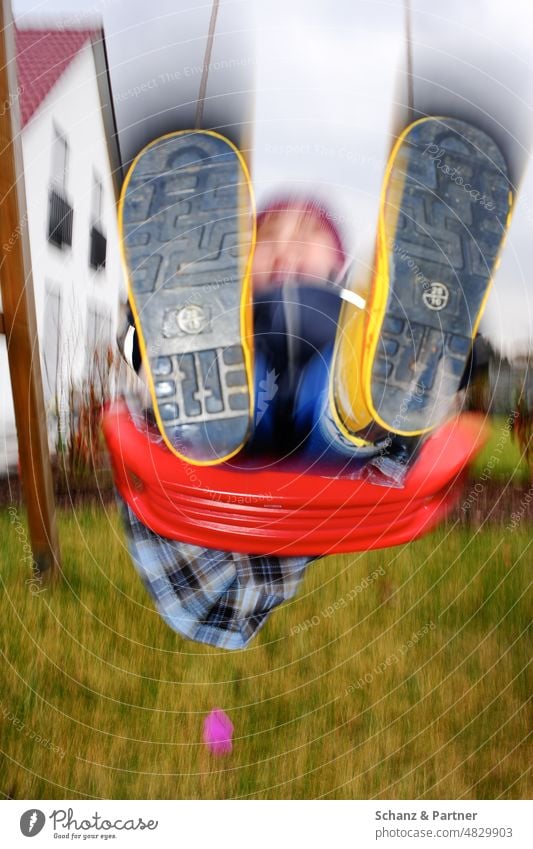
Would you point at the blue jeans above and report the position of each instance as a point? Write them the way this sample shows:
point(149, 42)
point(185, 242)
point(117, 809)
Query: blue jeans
point(294, 338)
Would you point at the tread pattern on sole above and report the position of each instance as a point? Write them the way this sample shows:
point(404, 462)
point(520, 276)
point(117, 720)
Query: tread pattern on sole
point(187, 240)
point(442, 251)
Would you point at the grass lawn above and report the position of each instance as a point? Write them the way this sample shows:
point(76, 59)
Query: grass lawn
point(99, 698)
point(501, 458)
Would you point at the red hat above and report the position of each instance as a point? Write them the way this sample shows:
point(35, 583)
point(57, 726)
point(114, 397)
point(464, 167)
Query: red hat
point(310, 206)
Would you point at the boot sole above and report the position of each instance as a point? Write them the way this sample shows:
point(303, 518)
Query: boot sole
point(187, 245)
point(443, 220)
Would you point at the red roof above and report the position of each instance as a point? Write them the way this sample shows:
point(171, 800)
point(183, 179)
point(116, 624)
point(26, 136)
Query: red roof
point(42, 57)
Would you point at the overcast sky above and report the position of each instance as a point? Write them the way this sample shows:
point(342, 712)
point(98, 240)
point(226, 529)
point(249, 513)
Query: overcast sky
point(323, 90)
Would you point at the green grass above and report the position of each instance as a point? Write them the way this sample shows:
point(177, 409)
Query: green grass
point(501, 458)
point(119, 699)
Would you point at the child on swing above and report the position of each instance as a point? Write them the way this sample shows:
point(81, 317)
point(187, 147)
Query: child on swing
point(225, 304)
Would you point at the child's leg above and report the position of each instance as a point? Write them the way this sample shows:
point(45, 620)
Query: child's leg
point(384, 461)
point(385, 457)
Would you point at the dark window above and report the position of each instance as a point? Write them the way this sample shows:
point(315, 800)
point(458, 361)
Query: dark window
point(98, 249)
point(98, 241)
point(60, 212)
point(60, 217)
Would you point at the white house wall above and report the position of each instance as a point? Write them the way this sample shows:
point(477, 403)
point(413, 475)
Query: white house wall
point(73, 106)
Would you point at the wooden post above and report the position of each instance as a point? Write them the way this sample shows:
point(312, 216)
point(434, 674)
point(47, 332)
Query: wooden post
point(19, 319)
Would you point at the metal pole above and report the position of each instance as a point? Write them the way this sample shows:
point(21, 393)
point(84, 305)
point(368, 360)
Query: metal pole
point(19, 318)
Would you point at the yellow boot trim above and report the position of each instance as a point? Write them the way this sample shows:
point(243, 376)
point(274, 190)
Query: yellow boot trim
point(355, 406)
point(246, 311)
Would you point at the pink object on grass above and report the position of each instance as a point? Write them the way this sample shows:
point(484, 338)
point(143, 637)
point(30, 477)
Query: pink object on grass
point(218, 732)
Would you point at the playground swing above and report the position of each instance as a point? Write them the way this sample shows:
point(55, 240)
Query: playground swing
point(225, 506)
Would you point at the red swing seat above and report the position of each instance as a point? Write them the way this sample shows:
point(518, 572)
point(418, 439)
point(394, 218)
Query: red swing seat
point(286, 512)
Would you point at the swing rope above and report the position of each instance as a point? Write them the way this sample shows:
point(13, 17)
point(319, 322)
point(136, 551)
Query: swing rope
point(207, 60)
point(409, 62)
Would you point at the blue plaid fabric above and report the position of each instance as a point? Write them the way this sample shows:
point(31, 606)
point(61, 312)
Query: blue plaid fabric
point(216, 597)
